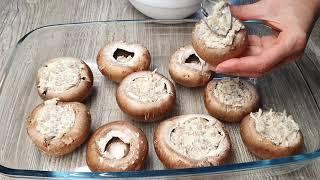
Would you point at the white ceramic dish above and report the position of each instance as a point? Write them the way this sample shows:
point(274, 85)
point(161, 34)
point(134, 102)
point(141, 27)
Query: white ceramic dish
point(167, 9)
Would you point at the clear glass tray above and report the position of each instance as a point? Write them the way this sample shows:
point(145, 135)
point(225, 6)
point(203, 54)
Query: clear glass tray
point(18, 96)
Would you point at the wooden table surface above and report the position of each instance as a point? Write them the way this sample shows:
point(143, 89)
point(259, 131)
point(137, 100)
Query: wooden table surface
point(17, 17)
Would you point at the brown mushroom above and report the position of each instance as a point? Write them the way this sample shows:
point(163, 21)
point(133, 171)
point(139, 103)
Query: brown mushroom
point(66, 78)
point(230, 99)
point(267, 139)
point(194, 140)
point(229, 40)
point(119, 59)
point(58, 128)
point(187, 69)
point(146, 96)
point(117, 146)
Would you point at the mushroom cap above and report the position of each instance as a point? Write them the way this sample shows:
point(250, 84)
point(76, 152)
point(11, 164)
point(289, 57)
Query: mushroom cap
point(133, 161)
point(262, 147)
point(188, 74)
point(70, 140)
point(173, 159)
point(115, 70)
point(150, 111)
point(75, 93)
point(215, 56)
point(225, 112)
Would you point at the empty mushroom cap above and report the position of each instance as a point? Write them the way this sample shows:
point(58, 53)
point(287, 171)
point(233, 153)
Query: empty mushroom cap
point(53, 143)
point(117, 146)
point(119, 59)
point(263, 147)
point(233, 111)
point(187, 69)
point(146, 96)
point(66, 78)
point(193, 140)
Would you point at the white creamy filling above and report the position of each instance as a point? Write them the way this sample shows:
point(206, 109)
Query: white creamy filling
point(53, 121)
point(60, 75)
point(231, 91)
point(116, 150)
point(123, 59)
point(277, 127)
point(196, 138)
point(223, 22)
point(146, 89)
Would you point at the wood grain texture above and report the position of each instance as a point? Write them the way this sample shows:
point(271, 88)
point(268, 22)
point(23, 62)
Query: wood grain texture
point(18, 17)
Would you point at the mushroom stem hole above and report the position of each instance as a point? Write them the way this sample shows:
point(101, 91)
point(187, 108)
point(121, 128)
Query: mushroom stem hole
point(117, 148)
point(44, 92)
point(121, 52)
point(193, 59)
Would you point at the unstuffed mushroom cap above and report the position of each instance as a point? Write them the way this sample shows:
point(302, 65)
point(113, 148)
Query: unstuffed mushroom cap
point(187, 69)
point(116, 70)
point(136, 154)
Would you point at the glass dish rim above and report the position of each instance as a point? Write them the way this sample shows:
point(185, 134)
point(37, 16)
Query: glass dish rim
point(245, 166)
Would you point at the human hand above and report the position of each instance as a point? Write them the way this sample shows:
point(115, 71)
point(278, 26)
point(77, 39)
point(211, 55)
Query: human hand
point(293, 19)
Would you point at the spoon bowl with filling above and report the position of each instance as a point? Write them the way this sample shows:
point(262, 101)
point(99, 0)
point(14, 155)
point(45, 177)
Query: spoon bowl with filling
point(230, 99)
point(187, 69)
point(269, 134)
point(119, 59)
point(65, 78)
point(117, 146)
point(146, 96)
point(58, 128)
point(194, 140)
point(228, 40)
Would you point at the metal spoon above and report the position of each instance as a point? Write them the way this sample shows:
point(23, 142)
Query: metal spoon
point(207, 7)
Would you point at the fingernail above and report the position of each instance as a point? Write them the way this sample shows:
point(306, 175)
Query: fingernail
point(213, 68)
point(222, 67)
point(226, 66)
point(219, 69)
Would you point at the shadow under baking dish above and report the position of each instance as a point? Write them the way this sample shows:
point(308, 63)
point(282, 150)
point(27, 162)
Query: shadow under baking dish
point(283, 89)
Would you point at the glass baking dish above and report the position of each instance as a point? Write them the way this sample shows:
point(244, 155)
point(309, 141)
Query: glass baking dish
point(18, 96)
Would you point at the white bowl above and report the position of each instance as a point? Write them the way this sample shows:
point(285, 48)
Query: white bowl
point(167, 9)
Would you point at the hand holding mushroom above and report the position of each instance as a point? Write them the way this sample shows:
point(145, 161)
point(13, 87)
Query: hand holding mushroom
point(293, 19)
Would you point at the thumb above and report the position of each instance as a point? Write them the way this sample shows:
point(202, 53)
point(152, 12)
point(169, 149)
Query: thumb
point(248, 12)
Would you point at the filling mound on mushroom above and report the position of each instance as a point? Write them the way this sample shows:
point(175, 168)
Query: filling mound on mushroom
point(60, 75)
point(147, 89)
point(196, 138)
point(277, 127)
point(225, 25)
point(54, 121)
point(114, 145)
point(122, 56)
point(233, 92)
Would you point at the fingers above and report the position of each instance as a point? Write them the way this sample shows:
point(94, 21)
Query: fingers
point(261, 59)
point(242, 66)
point(263, 41)
point(253, 51)
point(268, 41)
point(248, 12)
point(257, 44)
point(254, 40)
